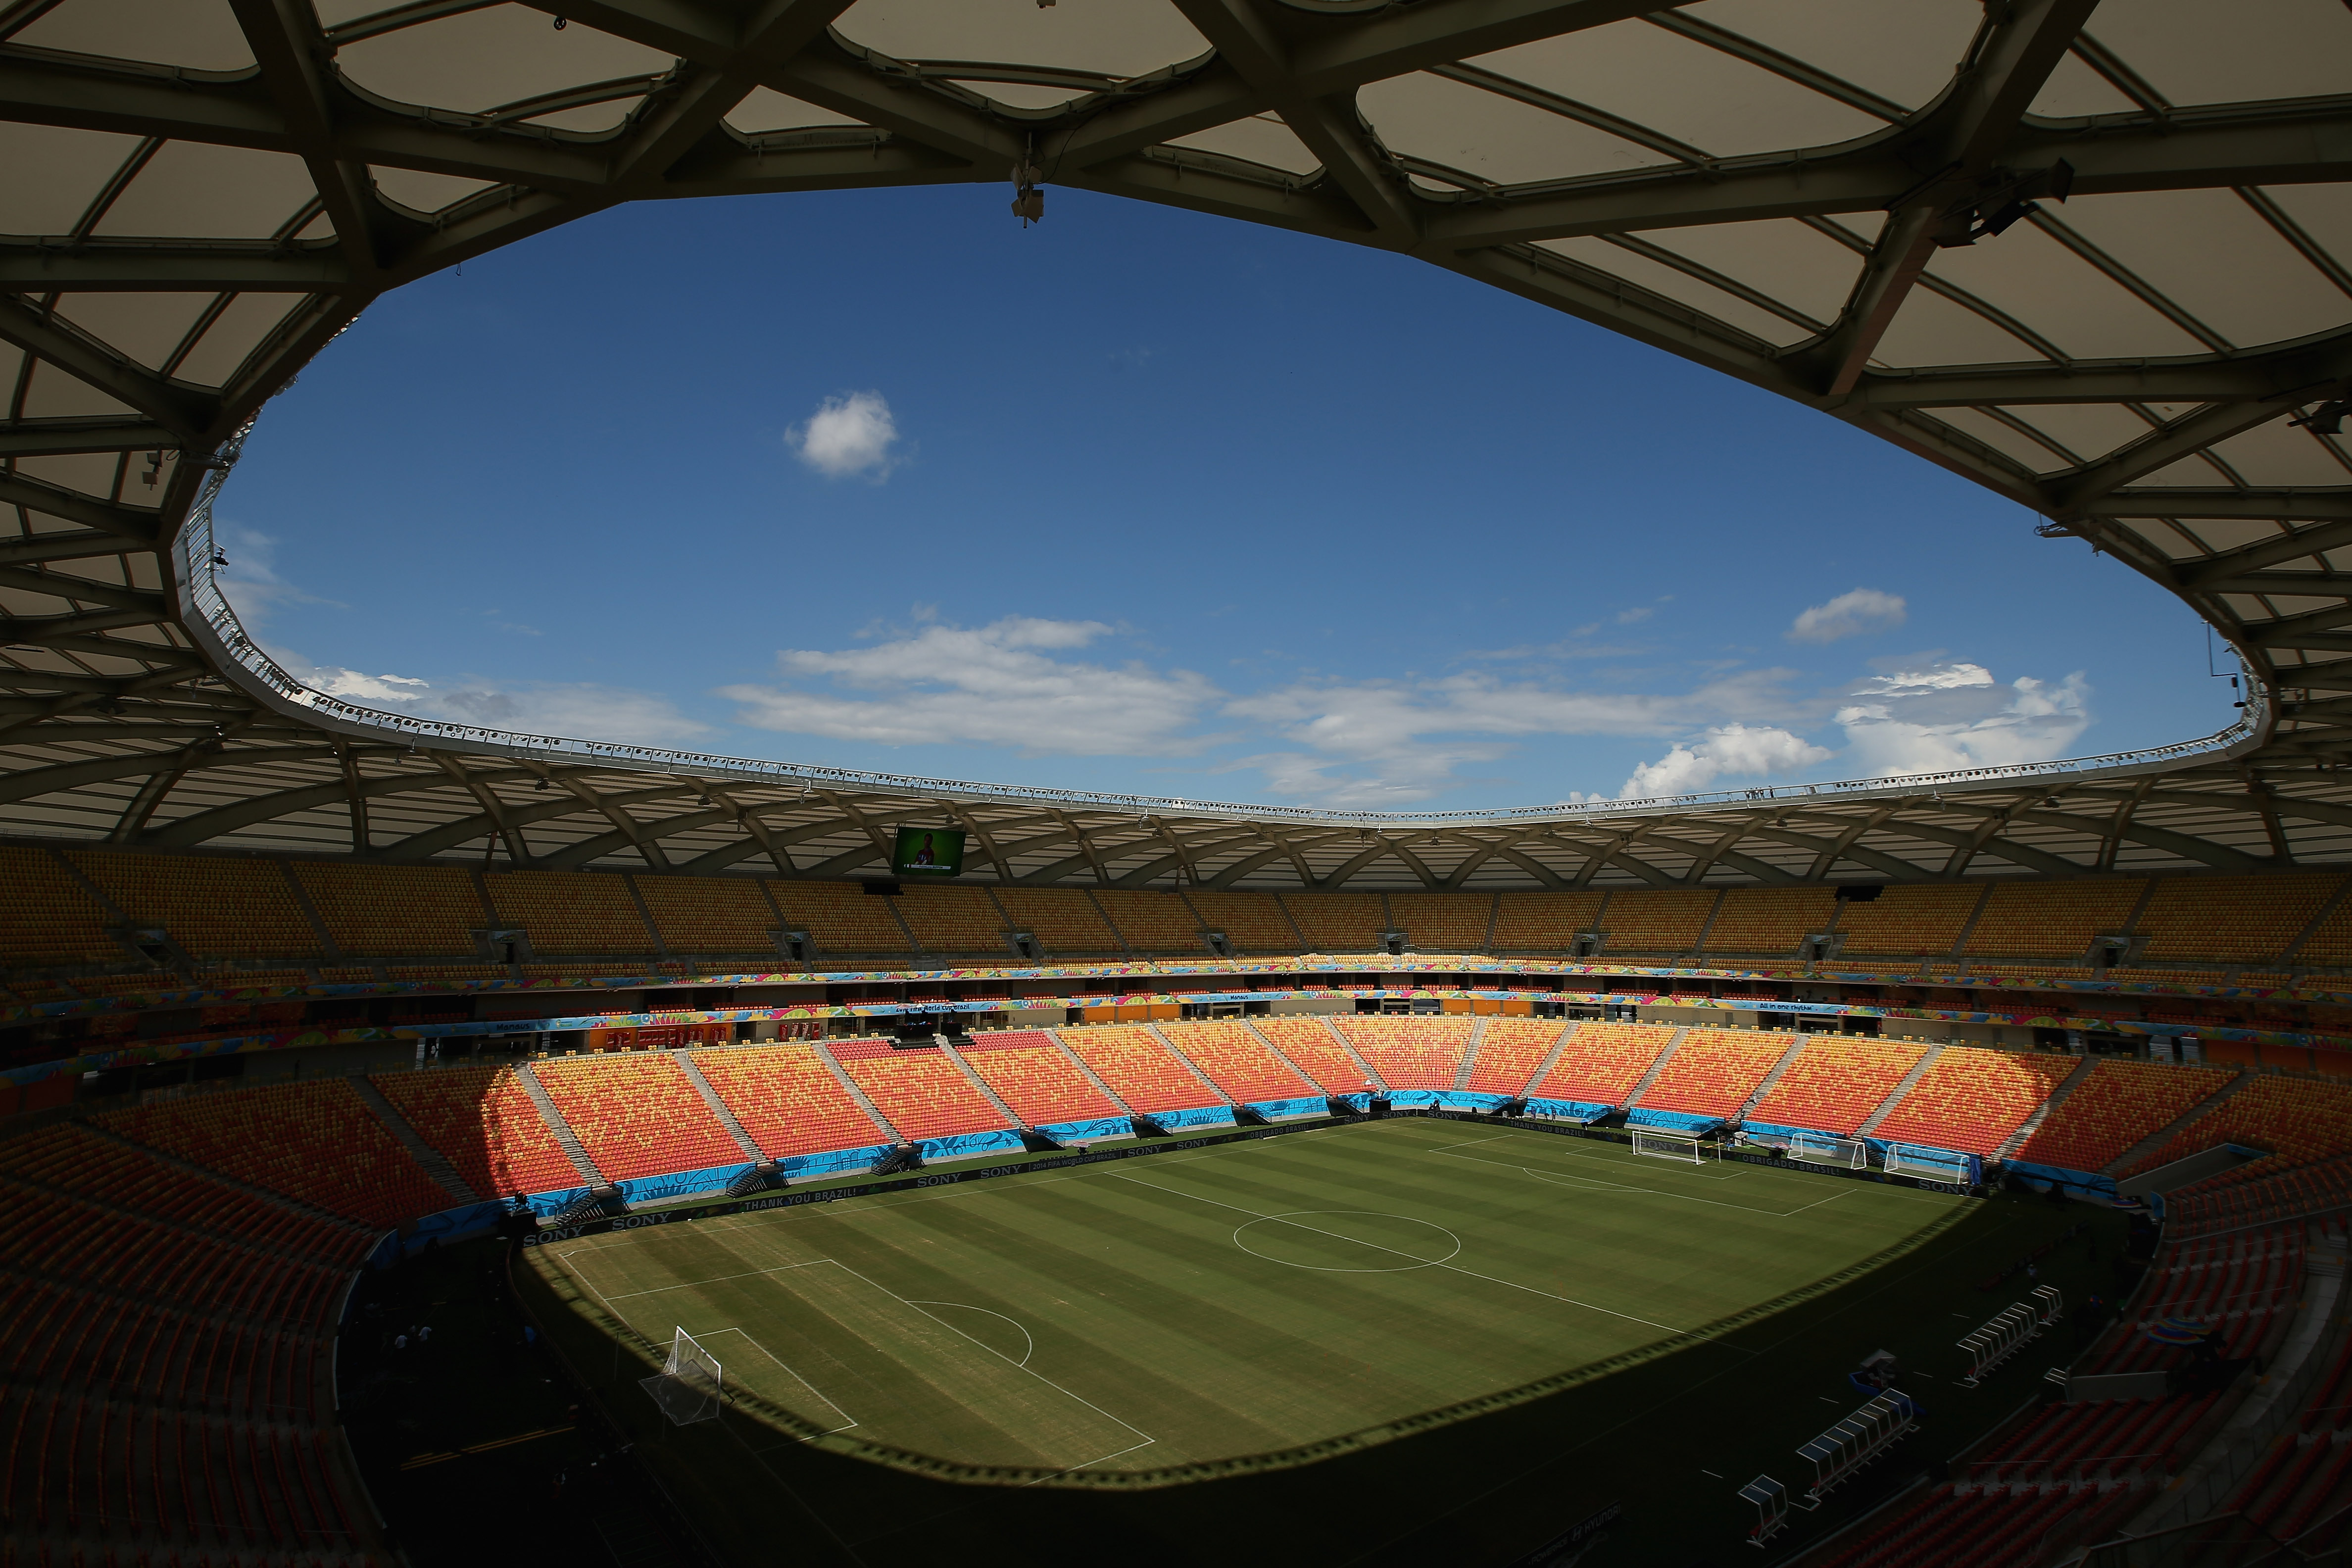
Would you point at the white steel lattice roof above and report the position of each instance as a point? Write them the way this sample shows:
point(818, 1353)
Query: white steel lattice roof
point(2095, 255)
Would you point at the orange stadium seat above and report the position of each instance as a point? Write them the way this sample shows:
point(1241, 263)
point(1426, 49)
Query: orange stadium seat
point(1510, 1052)
point(919, 1090)
point(712, 914)
point(788, 1100)
point(1162, 923)
point(1339, 922)
point(1971, 1098)
point(1312, 1048)
point(1603, 1062)
point(1064, 921)
point(1907, 921)
point(45, 920)
point(954, 920)
point(2242, 919)
point(1713, 1072)
point(1237, 1061)
point(317, 1142)
point(1444, 923)
point(485, 1123)
point(2300, 1120)
point(1409, 1053)
point(636, 1115)
point(1543, 922)
point(2052, 919)
point(1254, 922)
point(1836, 1082)
point(2119, 1104)
point(213, 907)
point(1770, 919)
point(421, 911)
point(571, 912)
point(1033, 1075)
point(1664, 920)
point(1137, 1068)
point(840, 918)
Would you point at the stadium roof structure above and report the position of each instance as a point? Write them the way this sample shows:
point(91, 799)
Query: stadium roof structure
point(2097, 257)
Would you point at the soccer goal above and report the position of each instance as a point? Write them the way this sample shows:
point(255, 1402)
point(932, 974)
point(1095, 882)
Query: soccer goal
point(1673, 1146)
point(1827, 1149)
point(689, 1385)
point(1930, 1164)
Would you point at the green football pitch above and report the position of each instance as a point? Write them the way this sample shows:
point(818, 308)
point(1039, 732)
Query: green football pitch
point(1241, 1308)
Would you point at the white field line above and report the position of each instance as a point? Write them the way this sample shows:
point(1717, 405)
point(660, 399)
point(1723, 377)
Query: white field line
point(1449, 1267)
point(1597, 1183)
point(1900, 1194)
point(846, 1417)
point(1026, 1336)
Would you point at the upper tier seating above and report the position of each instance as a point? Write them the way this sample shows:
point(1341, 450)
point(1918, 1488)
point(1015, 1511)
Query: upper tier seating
point(2052, 919)
point(840, 918)
point(2119, 1104)
point(2300, 1119)
point(1339, 922)
point(213, 907)
point(1713, 1072)
point(316, 1140)
point(1603, 1062)
point(2239, 919)
point(394, 911)
point(1969, 1098)
point(1666, 921)
point(1770, 919)
point(636, 1114)
point(1153, 923)
point(1254, 922)
point(484, 1123)
point(1542, 922)
point(919, 1090)
point(1510, 1052)
point(165, 1381)
point(1236, 1060)
point(1836, 1082)
point(2331, 943)
point(1064, 921)
point(1906, 920)
point(1030, 1073)
point(953, 920)
point(1409, 1053)
point(1137, 1068)
point(45, 920)
point(788, 1100)
point(568, 912)
point(1315, 1051)
point(1444, 923)
point(710, 914)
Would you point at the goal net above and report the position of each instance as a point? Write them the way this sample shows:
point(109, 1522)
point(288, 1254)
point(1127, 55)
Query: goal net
point(689, 1386)
point(1934, 1164)
point(1827, 1149)
point(1673, 1146)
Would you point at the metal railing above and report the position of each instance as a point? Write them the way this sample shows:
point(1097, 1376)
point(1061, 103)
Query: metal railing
point(208, 611)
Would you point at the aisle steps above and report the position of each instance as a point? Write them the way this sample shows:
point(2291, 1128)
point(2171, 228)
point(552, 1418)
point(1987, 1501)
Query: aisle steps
point(2173, 1129)
point(725, 1118)
point(2009, 1145)
point(1894, 1096)
point(849, 1085)
point(435, 1163)
point(1088, 1073)
point(1190, 1066)
point(1633, 1097)
point(565, 1139)
point(1788, 1059)
point(1470, 1057)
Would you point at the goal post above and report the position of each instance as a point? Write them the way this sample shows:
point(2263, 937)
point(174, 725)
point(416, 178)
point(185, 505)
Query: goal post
point(1828, 1149)
point(690, 1384)
point(1931, 1164)
point(1682, 1146)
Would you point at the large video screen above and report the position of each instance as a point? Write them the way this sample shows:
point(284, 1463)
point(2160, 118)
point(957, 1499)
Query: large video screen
point(929, 852)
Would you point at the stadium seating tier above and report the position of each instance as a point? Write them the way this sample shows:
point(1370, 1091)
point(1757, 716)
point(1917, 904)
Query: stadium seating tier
point(570, 913)
point(484, 1123)
point(1713, 1072)
point(1409, 1053)
point(787, 1100)
point(636, 1114)
point(710, 914)
point(1510, 1052)
point(1970, 1099)
point(1542, 922)
point(1030, 1072)
point(1312, 1047)
point(394, 911)
point(1236, 1060)
point(2119, 1104)
point(1836, 1082)
point(1137, 1068)
point(922, 1093)
point(1602, 1061)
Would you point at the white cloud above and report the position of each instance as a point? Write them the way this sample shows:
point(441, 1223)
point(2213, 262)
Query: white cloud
point(1847, 615)
point(852, 434)
point(580, 710)
point(250, 580)
point(1958, 716)
point(1736, 749)
point(991, 685)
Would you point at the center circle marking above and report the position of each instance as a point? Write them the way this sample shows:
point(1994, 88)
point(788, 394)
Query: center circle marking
point(1400, 1251)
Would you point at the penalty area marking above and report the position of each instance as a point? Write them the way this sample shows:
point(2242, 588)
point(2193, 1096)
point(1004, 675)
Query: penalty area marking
point(847, 1419)
point(1028, 1341)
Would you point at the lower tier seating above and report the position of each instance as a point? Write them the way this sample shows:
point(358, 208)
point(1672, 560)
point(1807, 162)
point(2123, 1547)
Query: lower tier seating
point(1971, 1098)
point(2118, 1105)
point(1409, 1053)
point(1836, 1082)
point(1316, 1052)
point(2209, 1208)
point(1713, 1072)
point(919, 1090)
point(788, 1100)
point(636, 1115)
point(2299, 1120)
point(1137, 1068)
point(1236, 1060)
point(317, 1142)
point(1033, 1075)
point(1603, 1062)
point(485, 1122)
point(1510, 1052)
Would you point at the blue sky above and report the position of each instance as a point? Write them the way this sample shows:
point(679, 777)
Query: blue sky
point(1139, 499)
